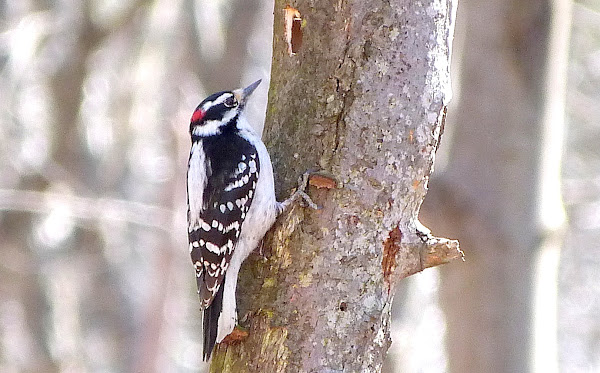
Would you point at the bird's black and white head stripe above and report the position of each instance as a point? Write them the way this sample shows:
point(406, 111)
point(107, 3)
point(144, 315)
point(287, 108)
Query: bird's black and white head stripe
point(218, 110)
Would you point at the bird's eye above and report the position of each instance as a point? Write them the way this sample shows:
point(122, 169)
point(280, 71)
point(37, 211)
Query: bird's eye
point(230, 102)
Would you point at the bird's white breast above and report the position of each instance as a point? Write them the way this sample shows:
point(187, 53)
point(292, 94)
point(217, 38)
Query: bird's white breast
point(196, 183)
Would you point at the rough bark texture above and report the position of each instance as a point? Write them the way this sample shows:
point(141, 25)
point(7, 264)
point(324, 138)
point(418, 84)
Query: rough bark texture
point(363, 101)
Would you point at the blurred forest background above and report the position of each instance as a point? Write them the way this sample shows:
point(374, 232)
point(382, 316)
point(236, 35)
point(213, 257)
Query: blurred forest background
point(95, 101)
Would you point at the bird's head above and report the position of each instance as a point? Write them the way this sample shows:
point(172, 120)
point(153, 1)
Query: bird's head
point(220, 110)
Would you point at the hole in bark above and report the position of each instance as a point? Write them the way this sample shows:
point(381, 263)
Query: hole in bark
point(343, 306)
point(293, 29)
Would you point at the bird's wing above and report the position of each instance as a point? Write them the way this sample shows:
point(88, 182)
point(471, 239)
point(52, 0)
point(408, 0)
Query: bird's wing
point(228, 197)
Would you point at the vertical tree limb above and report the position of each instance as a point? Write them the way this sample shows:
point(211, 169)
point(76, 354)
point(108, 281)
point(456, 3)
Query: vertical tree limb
point(363, 101)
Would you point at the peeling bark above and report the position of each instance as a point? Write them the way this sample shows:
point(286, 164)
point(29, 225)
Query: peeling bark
point(391, 246)
point(362, 100)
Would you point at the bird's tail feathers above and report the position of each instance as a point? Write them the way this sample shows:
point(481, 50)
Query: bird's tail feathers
point(211, 324)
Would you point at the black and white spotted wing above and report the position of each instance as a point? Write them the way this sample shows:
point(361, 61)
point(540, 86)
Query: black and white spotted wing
point(227, 199)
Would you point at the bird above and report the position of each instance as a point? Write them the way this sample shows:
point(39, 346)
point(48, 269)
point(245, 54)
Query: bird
point(231, 204)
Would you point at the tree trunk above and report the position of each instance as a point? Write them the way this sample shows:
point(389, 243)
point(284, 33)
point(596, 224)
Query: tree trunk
point(363, 101)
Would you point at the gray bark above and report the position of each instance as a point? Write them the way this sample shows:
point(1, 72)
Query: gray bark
point(363, 101)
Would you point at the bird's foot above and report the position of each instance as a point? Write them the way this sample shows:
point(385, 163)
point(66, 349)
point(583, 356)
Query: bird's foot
point(298, 195)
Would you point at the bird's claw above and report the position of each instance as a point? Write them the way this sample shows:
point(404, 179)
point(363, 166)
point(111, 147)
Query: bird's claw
point(299, 194)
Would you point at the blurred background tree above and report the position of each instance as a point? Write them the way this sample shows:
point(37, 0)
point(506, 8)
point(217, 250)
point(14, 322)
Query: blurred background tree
point(95, 99)
point(501, 186)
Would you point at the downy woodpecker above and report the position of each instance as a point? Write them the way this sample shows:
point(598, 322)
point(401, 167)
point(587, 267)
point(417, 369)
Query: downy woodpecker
point(231, 204)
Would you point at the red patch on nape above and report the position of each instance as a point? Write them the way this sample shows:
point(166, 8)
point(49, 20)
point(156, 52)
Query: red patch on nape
point(198, 115)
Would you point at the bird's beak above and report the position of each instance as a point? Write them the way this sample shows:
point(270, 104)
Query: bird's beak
point(242, 94)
